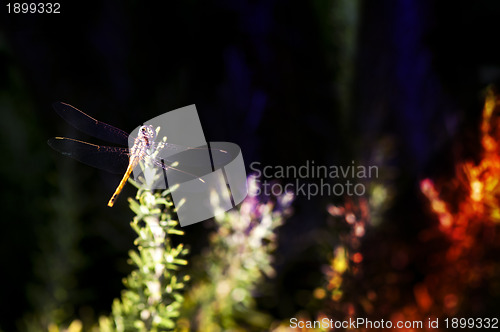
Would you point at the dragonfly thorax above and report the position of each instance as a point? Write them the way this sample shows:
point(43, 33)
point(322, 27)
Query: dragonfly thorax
point(143, 143)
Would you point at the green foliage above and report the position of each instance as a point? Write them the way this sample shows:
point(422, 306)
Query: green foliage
point(153, 296)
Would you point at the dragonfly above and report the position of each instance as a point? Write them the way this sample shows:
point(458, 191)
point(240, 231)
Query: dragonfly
point(114, 159)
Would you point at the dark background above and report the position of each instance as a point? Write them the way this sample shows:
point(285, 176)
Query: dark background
point(269, 76)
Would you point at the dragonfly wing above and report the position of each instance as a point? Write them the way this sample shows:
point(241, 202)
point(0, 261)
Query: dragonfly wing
point(195, 156)
point(185, 164)
point(89, 125)
point(108, 158)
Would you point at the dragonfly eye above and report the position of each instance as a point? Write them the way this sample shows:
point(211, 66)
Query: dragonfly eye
point(147, 131)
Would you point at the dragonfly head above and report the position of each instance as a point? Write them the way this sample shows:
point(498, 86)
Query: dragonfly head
point(148, 133)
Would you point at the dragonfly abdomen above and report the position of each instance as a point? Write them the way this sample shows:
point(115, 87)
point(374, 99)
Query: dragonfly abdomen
point(137, 152)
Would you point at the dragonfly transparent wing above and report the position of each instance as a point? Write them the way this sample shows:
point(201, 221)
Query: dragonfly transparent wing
point(108, 158)
point(89, 125)
point(186, 163)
